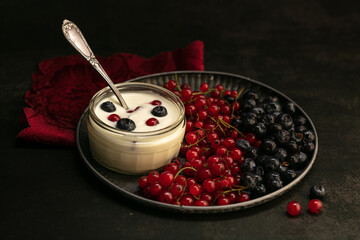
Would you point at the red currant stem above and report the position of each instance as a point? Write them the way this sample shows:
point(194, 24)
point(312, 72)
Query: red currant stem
point(231, 126)
point(231, 190)
point(217, 123)
point(193, 144)
point(182, 194)
point(237, 96)
point(177, 174)
point(208, 91)
point(177, 83)
point(196, 197)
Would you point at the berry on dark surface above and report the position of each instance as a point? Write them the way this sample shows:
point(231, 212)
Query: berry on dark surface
point(126, 124)
point(159, 111)
point(315, 206)
point(317, 192)
point(108, 106)
point(294, 208)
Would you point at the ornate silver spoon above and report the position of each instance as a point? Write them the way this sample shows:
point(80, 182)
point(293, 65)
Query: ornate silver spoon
point(76, 39)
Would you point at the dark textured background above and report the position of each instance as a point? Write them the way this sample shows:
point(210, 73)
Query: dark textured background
point(309, 50)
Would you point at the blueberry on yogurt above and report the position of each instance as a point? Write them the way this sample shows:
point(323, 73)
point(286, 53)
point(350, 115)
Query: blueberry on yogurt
point(108, 106)
point(126, 124)
point(159, 111)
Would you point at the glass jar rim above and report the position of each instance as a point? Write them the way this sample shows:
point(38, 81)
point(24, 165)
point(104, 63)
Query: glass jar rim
point(137, 86)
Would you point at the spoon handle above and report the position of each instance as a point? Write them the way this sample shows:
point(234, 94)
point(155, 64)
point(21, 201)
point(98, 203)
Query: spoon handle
point(76, 39)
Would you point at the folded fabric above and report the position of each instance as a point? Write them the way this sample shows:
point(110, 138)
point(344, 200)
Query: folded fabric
point(63, 86)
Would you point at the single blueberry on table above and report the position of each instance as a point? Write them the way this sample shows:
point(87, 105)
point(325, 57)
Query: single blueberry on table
point(126, 124)
point(159, 111)
point(108, 106)
point(317, 192)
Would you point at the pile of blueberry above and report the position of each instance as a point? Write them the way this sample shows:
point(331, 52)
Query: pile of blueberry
point(239, 145)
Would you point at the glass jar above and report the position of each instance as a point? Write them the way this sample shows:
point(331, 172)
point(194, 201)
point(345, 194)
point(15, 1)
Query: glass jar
point(135, 152)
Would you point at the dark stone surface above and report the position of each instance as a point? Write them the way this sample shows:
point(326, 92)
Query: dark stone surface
point(309, 50)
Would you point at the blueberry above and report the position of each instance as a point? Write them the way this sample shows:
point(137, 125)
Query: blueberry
point(258, 110)
point(282, 136)
point(259, 190)
point(300, 128)
point(317, 192)
point(248, 104)
point(126, 124)
point(252, 153)
point(236, 122)
point(243, 145)
point(261, 160)
point(229, 99)
point(259, 170)
point(308, 147)
point(290, 108)
point(248, 165)
point(288, 175)
point(248, 180)
point(108, 106)
point(292, 146)
point(280, 154)
point(275, 127)
point(285, 120)
point(259, 129)
point(300, 120)
point(274, 185)
point(273, 107)
point(268, 119)
point(271, 164)
point(251, 95)
point(268, 146)
point(309, 136)
point(159, 111)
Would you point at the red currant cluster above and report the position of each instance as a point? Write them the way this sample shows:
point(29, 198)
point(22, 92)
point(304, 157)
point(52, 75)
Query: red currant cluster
point(211, 175)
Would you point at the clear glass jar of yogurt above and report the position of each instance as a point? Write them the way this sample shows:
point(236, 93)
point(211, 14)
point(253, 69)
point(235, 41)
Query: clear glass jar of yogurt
point(148, 146)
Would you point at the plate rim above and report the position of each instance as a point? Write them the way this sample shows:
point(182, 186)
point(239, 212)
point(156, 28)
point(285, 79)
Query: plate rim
point(198, 209)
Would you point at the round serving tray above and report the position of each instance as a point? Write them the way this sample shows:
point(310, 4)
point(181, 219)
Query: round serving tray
point(127, 185)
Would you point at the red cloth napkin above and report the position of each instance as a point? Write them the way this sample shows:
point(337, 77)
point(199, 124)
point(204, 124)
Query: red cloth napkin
point(63, 86)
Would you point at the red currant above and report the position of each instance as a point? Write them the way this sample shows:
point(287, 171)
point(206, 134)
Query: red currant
point(114, 117)
point(177, 189)
point(143, 181)
point(201, 203)
point(190, 137)
point(152, 122)
point(209, 185)
point(294, 208)
point(204, 87)
point(166, 197)
point(315, 206)
point(153, 177)
point(242, 197)
point(156, 102)
point(195, 189)
point(166, 178)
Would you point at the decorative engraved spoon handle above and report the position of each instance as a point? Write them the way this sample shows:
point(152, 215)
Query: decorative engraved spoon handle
point(76, 39)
